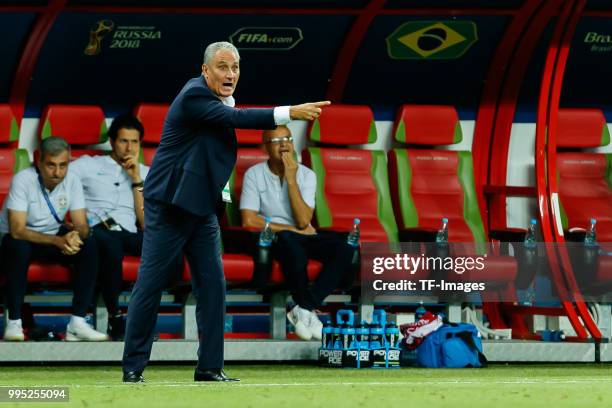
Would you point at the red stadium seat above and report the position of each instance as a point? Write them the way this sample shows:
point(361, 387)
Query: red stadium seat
point(80, 125)
point(249, 136)
point(152, 116)
point(351, 183)
point(12, 159)
point(429, 184)
point(585, 178)
point(585, 184)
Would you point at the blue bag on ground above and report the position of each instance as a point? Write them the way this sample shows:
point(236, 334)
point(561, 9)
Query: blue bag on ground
point(452, 346)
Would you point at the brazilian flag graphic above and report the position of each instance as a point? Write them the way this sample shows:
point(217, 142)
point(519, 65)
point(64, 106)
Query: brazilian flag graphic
point(431, 40)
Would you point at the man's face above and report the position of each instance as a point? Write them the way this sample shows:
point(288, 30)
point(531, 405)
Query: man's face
point(278, 143)
point(53, 168)
point(126, 144)
point(222, 74)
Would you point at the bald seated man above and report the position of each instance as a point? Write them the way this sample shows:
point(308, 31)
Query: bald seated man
point(284, 190)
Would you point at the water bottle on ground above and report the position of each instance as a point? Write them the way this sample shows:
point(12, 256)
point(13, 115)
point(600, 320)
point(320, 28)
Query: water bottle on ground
point(326, 336)
point(353, 236)
point(266, 236)
point(391, 335)
point(363, 336)
point(590, 239)
point(530, 236)
point(419, 312)
point(442, 235)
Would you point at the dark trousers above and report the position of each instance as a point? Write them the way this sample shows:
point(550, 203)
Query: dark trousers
point(171, 231)
point(113, 245)
point(17, 256)
point(293, 251)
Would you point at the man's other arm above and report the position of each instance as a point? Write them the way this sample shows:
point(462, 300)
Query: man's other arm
point(18, 230)
point(79, 220)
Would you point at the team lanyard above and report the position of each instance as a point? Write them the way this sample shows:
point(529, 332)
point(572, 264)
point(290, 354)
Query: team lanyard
point(44, 193)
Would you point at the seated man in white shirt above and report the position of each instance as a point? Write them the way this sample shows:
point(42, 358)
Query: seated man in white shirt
point(284, 190)
point(33, 228)
point(113, 195)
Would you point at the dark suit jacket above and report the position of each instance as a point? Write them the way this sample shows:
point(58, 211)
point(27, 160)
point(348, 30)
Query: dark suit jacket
point(197, 151)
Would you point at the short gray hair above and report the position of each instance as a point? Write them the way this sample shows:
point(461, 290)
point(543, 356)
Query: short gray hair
point(212, 49)
point(53, 146)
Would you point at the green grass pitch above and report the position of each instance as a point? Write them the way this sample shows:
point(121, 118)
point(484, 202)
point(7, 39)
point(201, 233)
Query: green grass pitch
point(309, 386)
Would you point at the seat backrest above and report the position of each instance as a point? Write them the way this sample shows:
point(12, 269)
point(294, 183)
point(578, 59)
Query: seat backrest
point(344, 125)
point(79, 125)
point(12, 159)
point(245, 158)
point(249, 136)
point(351, 183)
point(9, 130)
point(585, 178)
point(11, 162)
point(429, 184)
point(152, 117)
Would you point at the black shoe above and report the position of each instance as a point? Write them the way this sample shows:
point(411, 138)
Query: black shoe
point(133, 377)
point(212, 375)
point(116, 328)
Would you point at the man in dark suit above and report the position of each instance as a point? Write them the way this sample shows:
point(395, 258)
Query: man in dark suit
point(183, 193)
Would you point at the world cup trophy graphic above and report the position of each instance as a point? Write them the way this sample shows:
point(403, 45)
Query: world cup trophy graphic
point(96, 34)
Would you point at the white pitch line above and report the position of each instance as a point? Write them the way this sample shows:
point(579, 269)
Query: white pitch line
point(323, 384)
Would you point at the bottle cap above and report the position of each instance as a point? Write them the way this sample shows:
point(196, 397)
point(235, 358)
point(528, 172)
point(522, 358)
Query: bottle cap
point(267, 219)
point(445, 220)
point(593, 221)
point(356, 221)
point(533, 221)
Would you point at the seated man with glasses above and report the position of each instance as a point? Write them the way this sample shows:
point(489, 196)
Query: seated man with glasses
point(284, 190)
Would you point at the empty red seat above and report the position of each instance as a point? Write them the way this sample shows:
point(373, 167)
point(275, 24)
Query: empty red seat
point(430, 184)
point(585, 178)
point(152, 116)
point(80, 125)
point(12, 159)
point(351, 183)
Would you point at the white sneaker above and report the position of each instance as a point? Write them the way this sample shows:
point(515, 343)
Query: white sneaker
point(79, 330)
point(315, 326)
point(13, 331)
point(300, 318)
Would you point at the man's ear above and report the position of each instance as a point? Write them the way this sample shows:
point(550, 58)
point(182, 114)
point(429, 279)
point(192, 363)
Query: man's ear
point(204, 70)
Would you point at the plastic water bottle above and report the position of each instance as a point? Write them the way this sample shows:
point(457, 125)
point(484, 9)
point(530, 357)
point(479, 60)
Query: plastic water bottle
point(326, 336)
point(353, 236)
point(442, 235)
point(363, 336)
point(530, 235)
point(419, 312)
point(391, 335)
point(590, 239)
point(266, 236)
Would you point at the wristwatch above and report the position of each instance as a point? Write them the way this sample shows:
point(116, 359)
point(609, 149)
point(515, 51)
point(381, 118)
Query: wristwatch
point(138, 186)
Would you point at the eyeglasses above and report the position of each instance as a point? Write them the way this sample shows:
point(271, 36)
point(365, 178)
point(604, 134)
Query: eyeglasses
point(276, 140)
